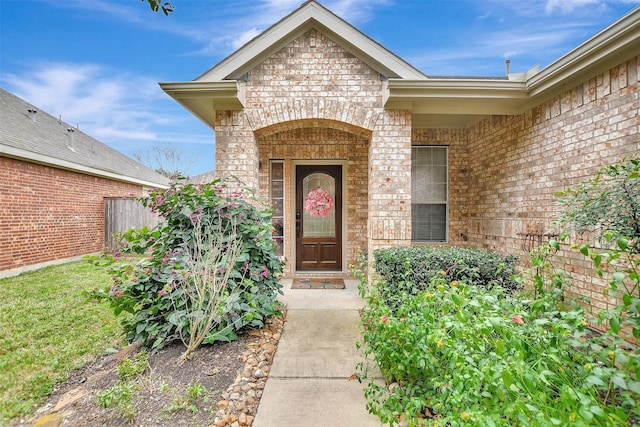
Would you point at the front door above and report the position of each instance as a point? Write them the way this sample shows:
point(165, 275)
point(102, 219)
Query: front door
point(318, 217)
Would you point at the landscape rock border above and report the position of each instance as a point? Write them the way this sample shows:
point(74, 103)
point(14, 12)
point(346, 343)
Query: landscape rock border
point(239, 404)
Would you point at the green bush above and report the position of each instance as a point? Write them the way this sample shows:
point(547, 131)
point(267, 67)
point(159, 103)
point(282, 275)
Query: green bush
point(150, 287)
point(458, 354)
point(410, 269)
point(607, 206)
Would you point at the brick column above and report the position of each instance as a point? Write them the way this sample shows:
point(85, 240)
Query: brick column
point(389, 222)
point(236, 148)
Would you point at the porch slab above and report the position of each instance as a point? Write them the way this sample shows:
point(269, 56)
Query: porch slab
point(322, 299)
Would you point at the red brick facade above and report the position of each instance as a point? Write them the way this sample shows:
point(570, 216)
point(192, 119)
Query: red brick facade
point(48, 214)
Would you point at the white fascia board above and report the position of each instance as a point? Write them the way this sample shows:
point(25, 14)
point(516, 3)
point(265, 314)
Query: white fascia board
point(618, 42)
point(224, 91)
point(457, 96)
point(310, 15)
point(31, 157)
point(456, 88)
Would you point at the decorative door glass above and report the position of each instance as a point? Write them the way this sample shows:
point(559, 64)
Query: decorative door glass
point(319, 205)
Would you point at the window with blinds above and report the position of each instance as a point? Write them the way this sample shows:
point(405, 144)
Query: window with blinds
point(429, 194)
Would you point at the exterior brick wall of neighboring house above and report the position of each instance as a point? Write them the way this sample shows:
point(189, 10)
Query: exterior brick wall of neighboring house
point(519, 162)
point(48, 214)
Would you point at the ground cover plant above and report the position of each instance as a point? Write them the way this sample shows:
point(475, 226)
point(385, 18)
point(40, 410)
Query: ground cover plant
point(210, 267)
point(47, 330)
point(456, 353)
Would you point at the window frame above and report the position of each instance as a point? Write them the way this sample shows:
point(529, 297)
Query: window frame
point(281, 197)
point(445, 202)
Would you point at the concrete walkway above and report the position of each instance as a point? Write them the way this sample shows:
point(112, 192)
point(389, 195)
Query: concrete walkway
point(308, 385)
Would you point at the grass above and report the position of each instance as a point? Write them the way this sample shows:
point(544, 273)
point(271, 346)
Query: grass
point(47, 330)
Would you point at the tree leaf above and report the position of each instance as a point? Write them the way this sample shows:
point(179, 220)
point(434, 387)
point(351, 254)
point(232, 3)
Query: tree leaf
point(614, 324)
point(592, 379)
point(507, 379)
point(623, 243)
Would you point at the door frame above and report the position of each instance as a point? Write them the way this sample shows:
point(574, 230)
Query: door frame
point(292, 212)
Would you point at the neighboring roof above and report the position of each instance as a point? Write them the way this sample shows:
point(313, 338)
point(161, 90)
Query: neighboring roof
point(30, 134)
point(203, 178)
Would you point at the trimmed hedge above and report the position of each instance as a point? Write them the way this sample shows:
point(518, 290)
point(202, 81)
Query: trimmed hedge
point(411, 269)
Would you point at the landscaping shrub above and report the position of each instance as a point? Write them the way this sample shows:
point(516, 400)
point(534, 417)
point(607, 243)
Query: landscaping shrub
point(458, 354)
point(454, 353)
point(153, 288)
point(606, 206)
point(411, 269)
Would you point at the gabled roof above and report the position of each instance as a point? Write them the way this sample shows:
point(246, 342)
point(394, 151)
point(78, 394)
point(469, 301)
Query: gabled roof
point(217, 88)
point(311, 14)
point(32, 135)
point(434, 101)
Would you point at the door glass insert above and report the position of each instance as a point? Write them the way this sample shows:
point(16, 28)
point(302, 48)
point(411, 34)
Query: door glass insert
point(319, 190)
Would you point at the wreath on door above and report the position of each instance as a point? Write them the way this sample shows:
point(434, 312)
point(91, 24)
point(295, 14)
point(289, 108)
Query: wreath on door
point(318, 202)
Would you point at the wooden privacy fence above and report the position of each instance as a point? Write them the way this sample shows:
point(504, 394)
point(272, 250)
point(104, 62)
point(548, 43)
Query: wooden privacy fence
point(121, 215)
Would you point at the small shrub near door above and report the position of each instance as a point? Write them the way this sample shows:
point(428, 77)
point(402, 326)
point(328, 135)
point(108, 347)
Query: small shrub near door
point(410, 270)
point(158, 288)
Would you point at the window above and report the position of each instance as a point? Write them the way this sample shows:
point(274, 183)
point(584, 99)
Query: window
point(429, 194)
point(277, 201)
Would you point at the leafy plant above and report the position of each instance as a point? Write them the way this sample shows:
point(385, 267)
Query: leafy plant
point(148, 287)
point(129, 369)
point(119, 396)
point(213, 257)
point(187, 400)
point(607, 206)
point(411, 269)
point(459, 354)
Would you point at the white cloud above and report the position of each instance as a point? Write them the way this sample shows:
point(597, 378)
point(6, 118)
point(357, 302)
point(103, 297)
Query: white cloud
point(586, 6)
point(107, 104)
point(568, 5)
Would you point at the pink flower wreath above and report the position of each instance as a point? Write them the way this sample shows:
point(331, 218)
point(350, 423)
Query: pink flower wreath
point(318, 202)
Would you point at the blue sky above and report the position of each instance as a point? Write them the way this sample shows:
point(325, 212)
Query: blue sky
point(97, 63)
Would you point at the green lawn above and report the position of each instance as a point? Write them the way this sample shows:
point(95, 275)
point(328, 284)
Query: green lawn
point(48, 329)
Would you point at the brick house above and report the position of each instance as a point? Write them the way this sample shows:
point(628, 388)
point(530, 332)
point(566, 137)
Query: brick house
point(53, 182)
point(314, 104)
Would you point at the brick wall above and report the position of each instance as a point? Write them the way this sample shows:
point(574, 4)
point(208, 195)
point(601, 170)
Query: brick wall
point(456, 140)
point(325, 143)
point(519, 162)
point(48, 214)
point(312, 100)
point(313, 66)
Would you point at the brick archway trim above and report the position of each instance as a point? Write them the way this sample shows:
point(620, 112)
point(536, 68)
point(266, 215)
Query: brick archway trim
point(274, 117)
